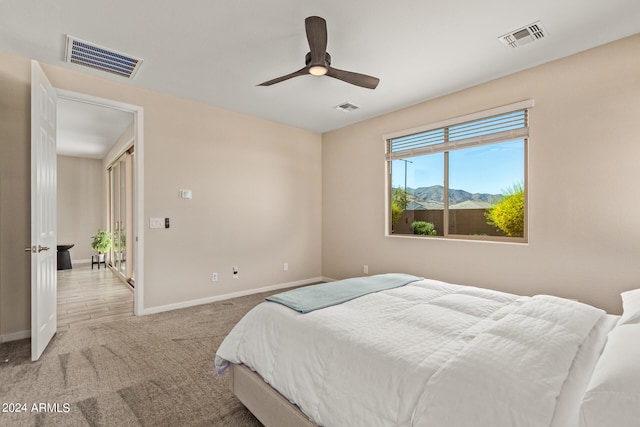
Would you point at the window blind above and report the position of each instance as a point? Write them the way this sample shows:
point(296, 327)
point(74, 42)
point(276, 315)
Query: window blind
point(502, 127)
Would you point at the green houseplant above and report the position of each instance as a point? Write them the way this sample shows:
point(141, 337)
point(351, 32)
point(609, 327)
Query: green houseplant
point(101, 242)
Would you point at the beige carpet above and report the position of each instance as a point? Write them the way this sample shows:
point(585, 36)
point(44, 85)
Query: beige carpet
point(154, 370)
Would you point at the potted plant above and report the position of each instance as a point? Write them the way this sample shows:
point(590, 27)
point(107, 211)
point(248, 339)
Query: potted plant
point(101, 243)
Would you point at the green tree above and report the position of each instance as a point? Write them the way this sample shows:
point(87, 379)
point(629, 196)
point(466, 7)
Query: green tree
point(508, 214)
point(399, 203)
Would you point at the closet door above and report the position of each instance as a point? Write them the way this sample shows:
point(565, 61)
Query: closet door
point(121, 202)
point(128, 220)
point(121, 242)
point(114, 213)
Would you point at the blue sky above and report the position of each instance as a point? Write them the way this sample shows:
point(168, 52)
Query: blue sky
point(483, 169)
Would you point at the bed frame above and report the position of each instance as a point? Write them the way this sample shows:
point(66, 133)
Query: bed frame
point(269, 407)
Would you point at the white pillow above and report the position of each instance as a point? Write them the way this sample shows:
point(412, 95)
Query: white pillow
point(613, 395)
point(630, 307)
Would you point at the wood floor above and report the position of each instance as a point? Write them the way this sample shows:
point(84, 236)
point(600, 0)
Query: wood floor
point(87, 297)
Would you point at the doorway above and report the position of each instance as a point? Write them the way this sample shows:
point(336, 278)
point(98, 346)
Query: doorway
point(44, 132)
point(126, 224)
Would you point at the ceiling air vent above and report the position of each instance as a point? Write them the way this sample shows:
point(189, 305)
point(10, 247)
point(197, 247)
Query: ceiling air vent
point(346, 107)
point(524, 35)
point(101, 58)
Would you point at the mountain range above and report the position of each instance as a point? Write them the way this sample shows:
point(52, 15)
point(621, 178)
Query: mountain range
point(433, 198)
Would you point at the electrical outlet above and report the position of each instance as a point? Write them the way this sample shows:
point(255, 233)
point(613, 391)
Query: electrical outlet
point(214, 277)
point(235, 271)
point(285, 267)
point(365, 269)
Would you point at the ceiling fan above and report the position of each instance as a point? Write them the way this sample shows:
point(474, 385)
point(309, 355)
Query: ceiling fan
point(318, 61)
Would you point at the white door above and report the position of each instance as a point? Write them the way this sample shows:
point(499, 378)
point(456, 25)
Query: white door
point(43, 211)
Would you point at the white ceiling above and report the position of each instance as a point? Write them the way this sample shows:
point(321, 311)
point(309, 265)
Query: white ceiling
point(217, 51)
point(87, 130)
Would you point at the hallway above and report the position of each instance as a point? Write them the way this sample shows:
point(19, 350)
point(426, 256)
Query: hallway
point(88, 297)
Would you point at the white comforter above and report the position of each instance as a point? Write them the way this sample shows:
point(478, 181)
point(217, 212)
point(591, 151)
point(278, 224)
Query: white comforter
point(426, 354)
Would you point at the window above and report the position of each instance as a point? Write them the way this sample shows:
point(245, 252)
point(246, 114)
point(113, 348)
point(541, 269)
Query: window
point(463, 178)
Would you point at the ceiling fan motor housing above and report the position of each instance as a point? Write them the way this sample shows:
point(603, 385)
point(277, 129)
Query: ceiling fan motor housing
point(327, 60)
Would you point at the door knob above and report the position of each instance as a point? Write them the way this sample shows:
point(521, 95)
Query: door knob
point(34, 249)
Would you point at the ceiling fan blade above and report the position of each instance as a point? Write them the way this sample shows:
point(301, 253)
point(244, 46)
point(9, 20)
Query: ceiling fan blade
point(300, 72)
point(357, 79)
point(317, 36)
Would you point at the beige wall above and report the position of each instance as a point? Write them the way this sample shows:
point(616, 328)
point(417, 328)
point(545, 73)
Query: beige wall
point(256, 194)
point(584, 160)
point(15, 195)
point(261, 199)
point(81, 200)
point(122, 144)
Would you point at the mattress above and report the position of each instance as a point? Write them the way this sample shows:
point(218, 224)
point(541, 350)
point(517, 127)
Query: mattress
point(428, 353)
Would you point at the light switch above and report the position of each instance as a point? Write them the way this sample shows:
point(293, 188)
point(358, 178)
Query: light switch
point(186, 194)
point(156, 223)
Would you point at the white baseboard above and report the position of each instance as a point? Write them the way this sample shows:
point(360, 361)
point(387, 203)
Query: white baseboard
point(208, 300)
point(15, 336)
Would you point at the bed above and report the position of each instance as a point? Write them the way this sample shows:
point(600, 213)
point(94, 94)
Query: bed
point(420, 352)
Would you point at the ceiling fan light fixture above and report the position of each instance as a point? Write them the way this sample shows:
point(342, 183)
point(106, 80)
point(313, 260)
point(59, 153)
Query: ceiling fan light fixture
point(318, 62)
point(318, 70)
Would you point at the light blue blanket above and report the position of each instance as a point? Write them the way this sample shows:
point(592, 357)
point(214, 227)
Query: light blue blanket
point(315, 297)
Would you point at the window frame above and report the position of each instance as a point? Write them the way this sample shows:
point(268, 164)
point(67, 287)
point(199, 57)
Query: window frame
point(449, 146)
